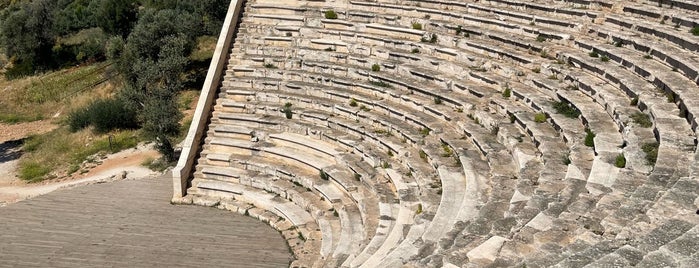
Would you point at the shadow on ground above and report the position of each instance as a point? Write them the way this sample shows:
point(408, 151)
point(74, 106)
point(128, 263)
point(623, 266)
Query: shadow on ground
point(10, 150)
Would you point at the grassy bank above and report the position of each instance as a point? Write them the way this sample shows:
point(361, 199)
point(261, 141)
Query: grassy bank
point(62, 153)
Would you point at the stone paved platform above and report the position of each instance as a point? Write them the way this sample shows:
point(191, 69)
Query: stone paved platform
point(132, 224)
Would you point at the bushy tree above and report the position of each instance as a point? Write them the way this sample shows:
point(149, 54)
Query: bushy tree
point(116, 17)
point(26, 33)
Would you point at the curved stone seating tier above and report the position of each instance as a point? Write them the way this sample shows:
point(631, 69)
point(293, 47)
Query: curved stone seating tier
point(369, 136)
point(669, 82)
point(436, 159)
point(352, 223)
point(448, 180)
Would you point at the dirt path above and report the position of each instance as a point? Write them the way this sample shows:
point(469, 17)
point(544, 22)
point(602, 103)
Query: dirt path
point(23, 130)
point(122, 165)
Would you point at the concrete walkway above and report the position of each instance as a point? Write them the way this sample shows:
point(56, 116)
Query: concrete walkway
point(131, 223)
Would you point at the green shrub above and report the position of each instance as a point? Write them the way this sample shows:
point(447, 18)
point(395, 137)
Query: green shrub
point(507, 92)
point(109, 114)
point(417, 26)
point(566, 109)
point(330, 14)
point(604, 58)
point(415, 51)
point(32, 171)
point(437, 100)
point(642, 119)
point(104, 115)
point(695, 30)
point(589, 138)
point(620, 161)
point(540, 117)
point(651, 151)
point(353, 102)
point(79, 119)
point(270, 66)
point(376, 67)
point(419, 209)
point(594, 54)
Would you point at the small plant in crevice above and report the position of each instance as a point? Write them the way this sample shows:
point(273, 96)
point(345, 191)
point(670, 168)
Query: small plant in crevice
point(620, 161)
point(540, 118)
point(593, 54)
point(270, 66)
point(353, 102)
point(651, 151)
point(425, 131)
point(634, 101)
point(324, 175)
point(566, 109)
point(380, 84)
point(417, 26)
point(419, 209)
point(604, 58)
point(432, 39)
point(536, 70)
point(301, 237)
point(415, 51)
point(642, 119)
point(647, 56)
point(287, 110)
point(386, 165)
point(330, 14)
point(423, 155)
point(376, 67)
point(507, 92)
point(670, 97)
point(437, 100)
point(589, 138)
point(694, 30)
point(448, 152)
point(566, 159)
point(541, 38)
point(357, 177)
